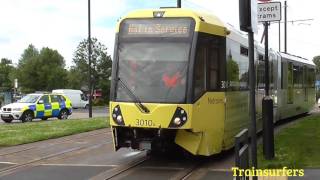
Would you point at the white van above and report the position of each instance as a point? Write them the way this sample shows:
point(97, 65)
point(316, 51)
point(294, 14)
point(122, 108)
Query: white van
point(78, 99)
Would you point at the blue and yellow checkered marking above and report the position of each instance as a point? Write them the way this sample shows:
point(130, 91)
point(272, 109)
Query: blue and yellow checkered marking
point(47, 106)
point(40, 114)
point(32, 107)
point(49, 110)
point(55, 112)
point(62, 105)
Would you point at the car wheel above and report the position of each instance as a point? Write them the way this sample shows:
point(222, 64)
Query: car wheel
point(7, 120)
point(44, 118)
point(27, 116)
point(63, 114)
point(86, 106)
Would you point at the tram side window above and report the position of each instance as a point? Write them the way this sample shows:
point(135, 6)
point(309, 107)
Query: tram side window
point(305, 82)
point(260, 74)
point(290, 84)
point(237, 66)
point(213, 69)
point(300, 77)
point(297, 76)
point(311, 78)
point(272, 62)
point(199, 72)
point(284, 74)
point(244, 51)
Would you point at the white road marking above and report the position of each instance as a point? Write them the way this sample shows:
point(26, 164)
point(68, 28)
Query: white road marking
point(4, 162)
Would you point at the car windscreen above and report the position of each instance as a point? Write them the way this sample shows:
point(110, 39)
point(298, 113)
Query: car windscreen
point(29, 99)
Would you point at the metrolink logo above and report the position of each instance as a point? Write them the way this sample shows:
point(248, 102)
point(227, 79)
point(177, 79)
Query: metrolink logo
point(267, 172)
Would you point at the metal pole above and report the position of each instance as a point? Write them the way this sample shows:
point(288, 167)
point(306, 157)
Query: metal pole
point(266, 55)
point(178, 3)
point(252, 82)
point(89, 59)
point(267, 105)
point(279, 36)
point(285, 26)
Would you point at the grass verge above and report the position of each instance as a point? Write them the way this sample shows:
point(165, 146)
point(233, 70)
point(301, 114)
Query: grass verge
point(297, 146)
point(14, 134)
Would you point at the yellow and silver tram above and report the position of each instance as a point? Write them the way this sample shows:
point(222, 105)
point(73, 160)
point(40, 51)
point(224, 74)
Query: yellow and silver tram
point(181, 77)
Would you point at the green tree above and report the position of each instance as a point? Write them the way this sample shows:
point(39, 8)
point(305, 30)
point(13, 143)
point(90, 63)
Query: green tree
point(316, 61)
point(100, 67)
point(6, 71)
point(74, 78)
point(41, 71)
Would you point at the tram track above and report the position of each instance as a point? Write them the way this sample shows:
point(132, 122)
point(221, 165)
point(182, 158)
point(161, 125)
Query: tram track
point(187, 172)
point(138, 168)
point(113, 173)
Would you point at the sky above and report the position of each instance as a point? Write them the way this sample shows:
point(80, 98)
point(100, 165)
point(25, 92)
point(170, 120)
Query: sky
point(62, 24)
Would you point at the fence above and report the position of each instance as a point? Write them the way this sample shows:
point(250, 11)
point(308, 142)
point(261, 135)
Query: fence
point(242, 152)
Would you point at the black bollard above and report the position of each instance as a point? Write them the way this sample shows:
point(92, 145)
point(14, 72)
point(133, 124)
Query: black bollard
point(268, 136)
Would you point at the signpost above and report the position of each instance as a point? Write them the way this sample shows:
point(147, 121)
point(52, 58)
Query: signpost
point(247, 14)
point(269, 11)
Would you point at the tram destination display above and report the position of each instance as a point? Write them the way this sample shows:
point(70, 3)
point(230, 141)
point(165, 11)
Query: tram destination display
point(156, 28)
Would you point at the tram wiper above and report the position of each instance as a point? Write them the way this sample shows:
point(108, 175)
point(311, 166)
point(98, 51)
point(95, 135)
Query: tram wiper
point(137, 101)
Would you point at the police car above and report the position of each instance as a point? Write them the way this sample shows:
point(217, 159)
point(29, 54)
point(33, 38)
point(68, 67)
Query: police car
point(41, 106)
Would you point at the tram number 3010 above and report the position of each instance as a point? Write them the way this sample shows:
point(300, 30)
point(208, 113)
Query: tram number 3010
point(144, 122)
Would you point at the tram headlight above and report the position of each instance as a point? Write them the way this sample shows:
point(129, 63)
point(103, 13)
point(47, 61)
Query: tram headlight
point(117, 116)
point(179, 118)
point(177, 121)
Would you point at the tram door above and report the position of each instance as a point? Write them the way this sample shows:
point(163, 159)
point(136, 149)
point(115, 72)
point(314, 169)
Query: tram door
point(290, 84)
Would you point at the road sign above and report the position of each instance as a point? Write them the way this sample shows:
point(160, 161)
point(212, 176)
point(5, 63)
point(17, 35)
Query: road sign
point(269, 11)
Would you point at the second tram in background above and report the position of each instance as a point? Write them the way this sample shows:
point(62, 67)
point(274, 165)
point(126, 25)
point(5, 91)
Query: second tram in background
point(181, 77)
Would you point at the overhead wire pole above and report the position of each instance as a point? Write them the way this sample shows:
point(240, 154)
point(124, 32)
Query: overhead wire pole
point(89, 59)
point(279, 36)
point(285, 26)
point(252, 81)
